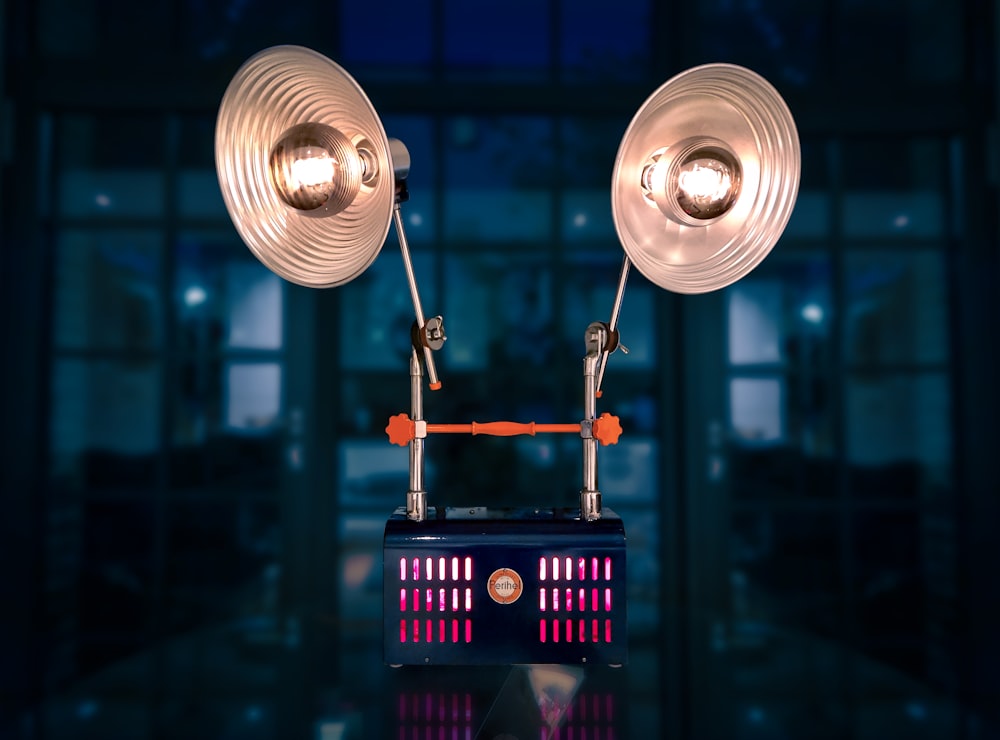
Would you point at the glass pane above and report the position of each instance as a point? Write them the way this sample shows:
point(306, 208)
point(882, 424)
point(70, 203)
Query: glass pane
point(105, 422)
point(209, 30)
point(375, 474)
point(420, 211)
point(785, 574)
point(756, 410)
point(252, 397)
point(498, 173)
point(116, 571)
point(361, 574)
point(629, 471)
point(367, 400)
point(110, 166)
point(780, 40)
point(898, 435)
point(810, 218)
point(891, 587)
point(107, 289)
point(898, 196)
point(377, 313)
point(222, 564)
point(85, 28)
point(224, 298)
point(254, 298)
point(897, 304)
point(499, 313)
point(782, 313)
point(585, 216)
point(198, 191)
point(199, 195)
point(900, 214)
point(644, 572)
point(119, 142)
point(111, 193)
point(365, 45)
point(226, 425)
point(909, 42)
point(491, 215)
point(598, 46)
point(514, 42)
point(589, 283)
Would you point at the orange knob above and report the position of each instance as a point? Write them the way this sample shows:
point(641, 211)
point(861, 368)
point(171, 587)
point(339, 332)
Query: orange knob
point(607, 429)
point(401, 429)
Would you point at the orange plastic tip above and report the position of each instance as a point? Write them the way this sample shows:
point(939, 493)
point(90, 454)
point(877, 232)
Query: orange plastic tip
point(599, 394)
point(436, 386)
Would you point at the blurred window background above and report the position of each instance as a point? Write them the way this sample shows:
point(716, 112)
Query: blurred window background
point(198, 475)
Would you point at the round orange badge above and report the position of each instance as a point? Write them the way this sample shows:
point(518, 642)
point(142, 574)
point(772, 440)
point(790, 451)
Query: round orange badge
point(505, 586)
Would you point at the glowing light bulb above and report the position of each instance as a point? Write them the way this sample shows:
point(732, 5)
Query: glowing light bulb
point(700, 183)
point(707, 183)
point(315, 169)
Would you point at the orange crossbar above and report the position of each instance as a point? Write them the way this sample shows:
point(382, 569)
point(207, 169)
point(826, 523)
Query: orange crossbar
point(501, 428)
point(402, 429)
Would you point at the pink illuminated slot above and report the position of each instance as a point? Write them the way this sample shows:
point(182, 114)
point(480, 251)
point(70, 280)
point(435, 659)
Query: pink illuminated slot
point(607, 569)
point(402, 569)
point(541, 568)
point(555, 569)
point(468, 630)
point(541, 599)
point(569, 569)
point(569, 599)
point(454, 569)
point(541, 630)
point(581, 568)
point(555, 630)
point(402, 599)
point(607, 630)
point(555, 599)
point(468, 569)
point(416, 599)
point(607, 599)
point(402, 630)
point(569, 630)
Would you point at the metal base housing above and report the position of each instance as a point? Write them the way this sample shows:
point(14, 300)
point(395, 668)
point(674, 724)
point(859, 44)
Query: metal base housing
point(503, 586)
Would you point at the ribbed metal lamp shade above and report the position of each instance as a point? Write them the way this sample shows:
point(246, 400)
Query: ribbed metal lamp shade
point(705, 178)
point(304, 167)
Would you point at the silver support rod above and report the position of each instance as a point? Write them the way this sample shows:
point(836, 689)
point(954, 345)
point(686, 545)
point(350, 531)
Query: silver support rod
point(590, 496)
point(416, 496)
point(613, 323)
point(411, 278)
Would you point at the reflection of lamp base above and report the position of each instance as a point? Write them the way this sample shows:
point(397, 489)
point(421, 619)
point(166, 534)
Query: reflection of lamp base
point(486, 586)
point(533, 697)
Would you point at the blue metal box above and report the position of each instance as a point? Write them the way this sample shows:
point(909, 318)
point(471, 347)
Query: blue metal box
point(501, 586)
